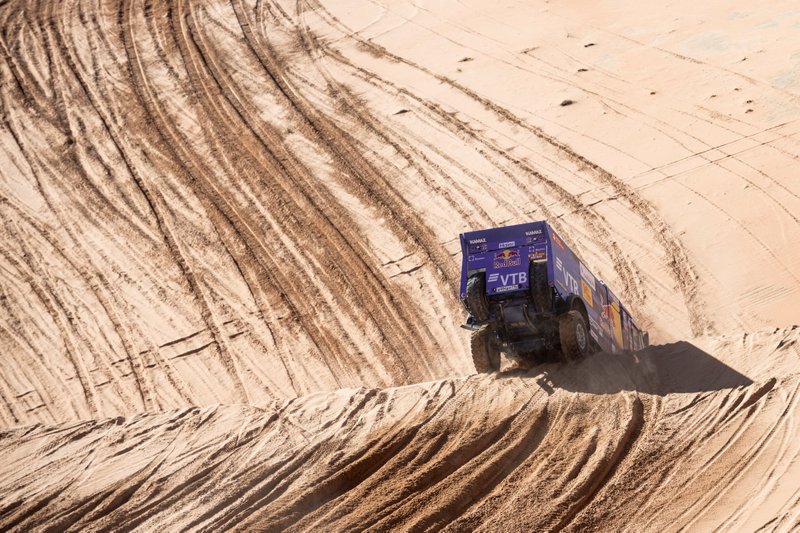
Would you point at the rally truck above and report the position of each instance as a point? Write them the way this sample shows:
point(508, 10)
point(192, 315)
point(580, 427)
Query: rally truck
point(529, 296)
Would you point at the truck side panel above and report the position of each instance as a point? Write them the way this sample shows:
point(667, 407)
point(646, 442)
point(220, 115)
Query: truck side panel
point(570, 276)
point(610, 325)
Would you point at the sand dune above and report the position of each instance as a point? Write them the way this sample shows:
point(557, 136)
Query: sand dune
point(229, 263)
point(670, 437)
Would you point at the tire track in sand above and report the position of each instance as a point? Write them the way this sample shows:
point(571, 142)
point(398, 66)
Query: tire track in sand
point(156, 204)
point(346, 251)
point(215, 202)
point(107, 295)
point(96, 281)
point(679, 264)
point(364, 180)
point(597, 225)
point(200, 63)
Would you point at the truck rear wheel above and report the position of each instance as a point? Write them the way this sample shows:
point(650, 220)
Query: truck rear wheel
point(477, 303)
point(485, 352)
point(574, 336)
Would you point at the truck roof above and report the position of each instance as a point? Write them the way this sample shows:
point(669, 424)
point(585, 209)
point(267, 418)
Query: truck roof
point(505, 237)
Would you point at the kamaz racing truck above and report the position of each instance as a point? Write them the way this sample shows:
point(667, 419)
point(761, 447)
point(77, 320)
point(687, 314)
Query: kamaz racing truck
point(530, 297)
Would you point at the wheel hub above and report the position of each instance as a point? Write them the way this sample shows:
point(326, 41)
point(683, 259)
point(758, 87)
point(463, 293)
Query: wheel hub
point(580, 336)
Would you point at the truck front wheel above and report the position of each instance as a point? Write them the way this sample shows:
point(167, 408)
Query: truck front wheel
point(485, 352)
point(574, 336)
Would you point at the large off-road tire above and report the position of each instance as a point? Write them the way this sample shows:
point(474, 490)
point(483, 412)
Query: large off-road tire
point(574, 335)
point(477, 303)
point(485, 352)
point(541, 295)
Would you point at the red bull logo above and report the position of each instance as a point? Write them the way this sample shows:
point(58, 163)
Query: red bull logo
point(507, 258)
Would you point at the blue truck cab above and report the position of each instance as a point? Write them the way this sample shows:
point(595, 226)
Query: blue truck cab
point(529, 296)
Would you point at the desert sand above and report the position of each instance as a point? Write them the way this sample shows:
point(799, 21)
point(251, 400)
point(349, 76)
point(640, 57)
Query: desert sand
point(229, 263)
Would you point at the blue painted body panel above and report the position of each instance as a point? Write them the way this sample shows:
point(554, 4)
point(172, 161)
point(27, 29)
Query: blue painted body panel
point(503, 253)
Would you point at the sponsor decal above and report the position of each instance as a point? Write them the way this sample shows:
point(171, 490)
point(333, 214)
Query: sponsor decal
point(537, 256)
point(606, 315)
point(593, 327)
point(535, 235)
point(507, 258)
point(507, 288)
point(557, 240)
point(477, 241)
point(570, 283)
point(508, 282)
point(516, 278)
point(478, 248)
point(587, 294)
point(586, 275)
point(616, 323)
point(508, 244)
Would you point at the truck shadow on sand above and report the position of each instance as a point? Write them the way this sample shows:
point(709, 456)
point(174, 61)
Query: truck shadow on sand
point(680, 367)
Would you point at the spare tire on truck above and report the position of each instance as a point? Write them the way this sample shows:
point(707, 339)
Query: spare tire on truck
point(541, 293)
point(476, 300)
point(485, 351)
point(574, 335)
